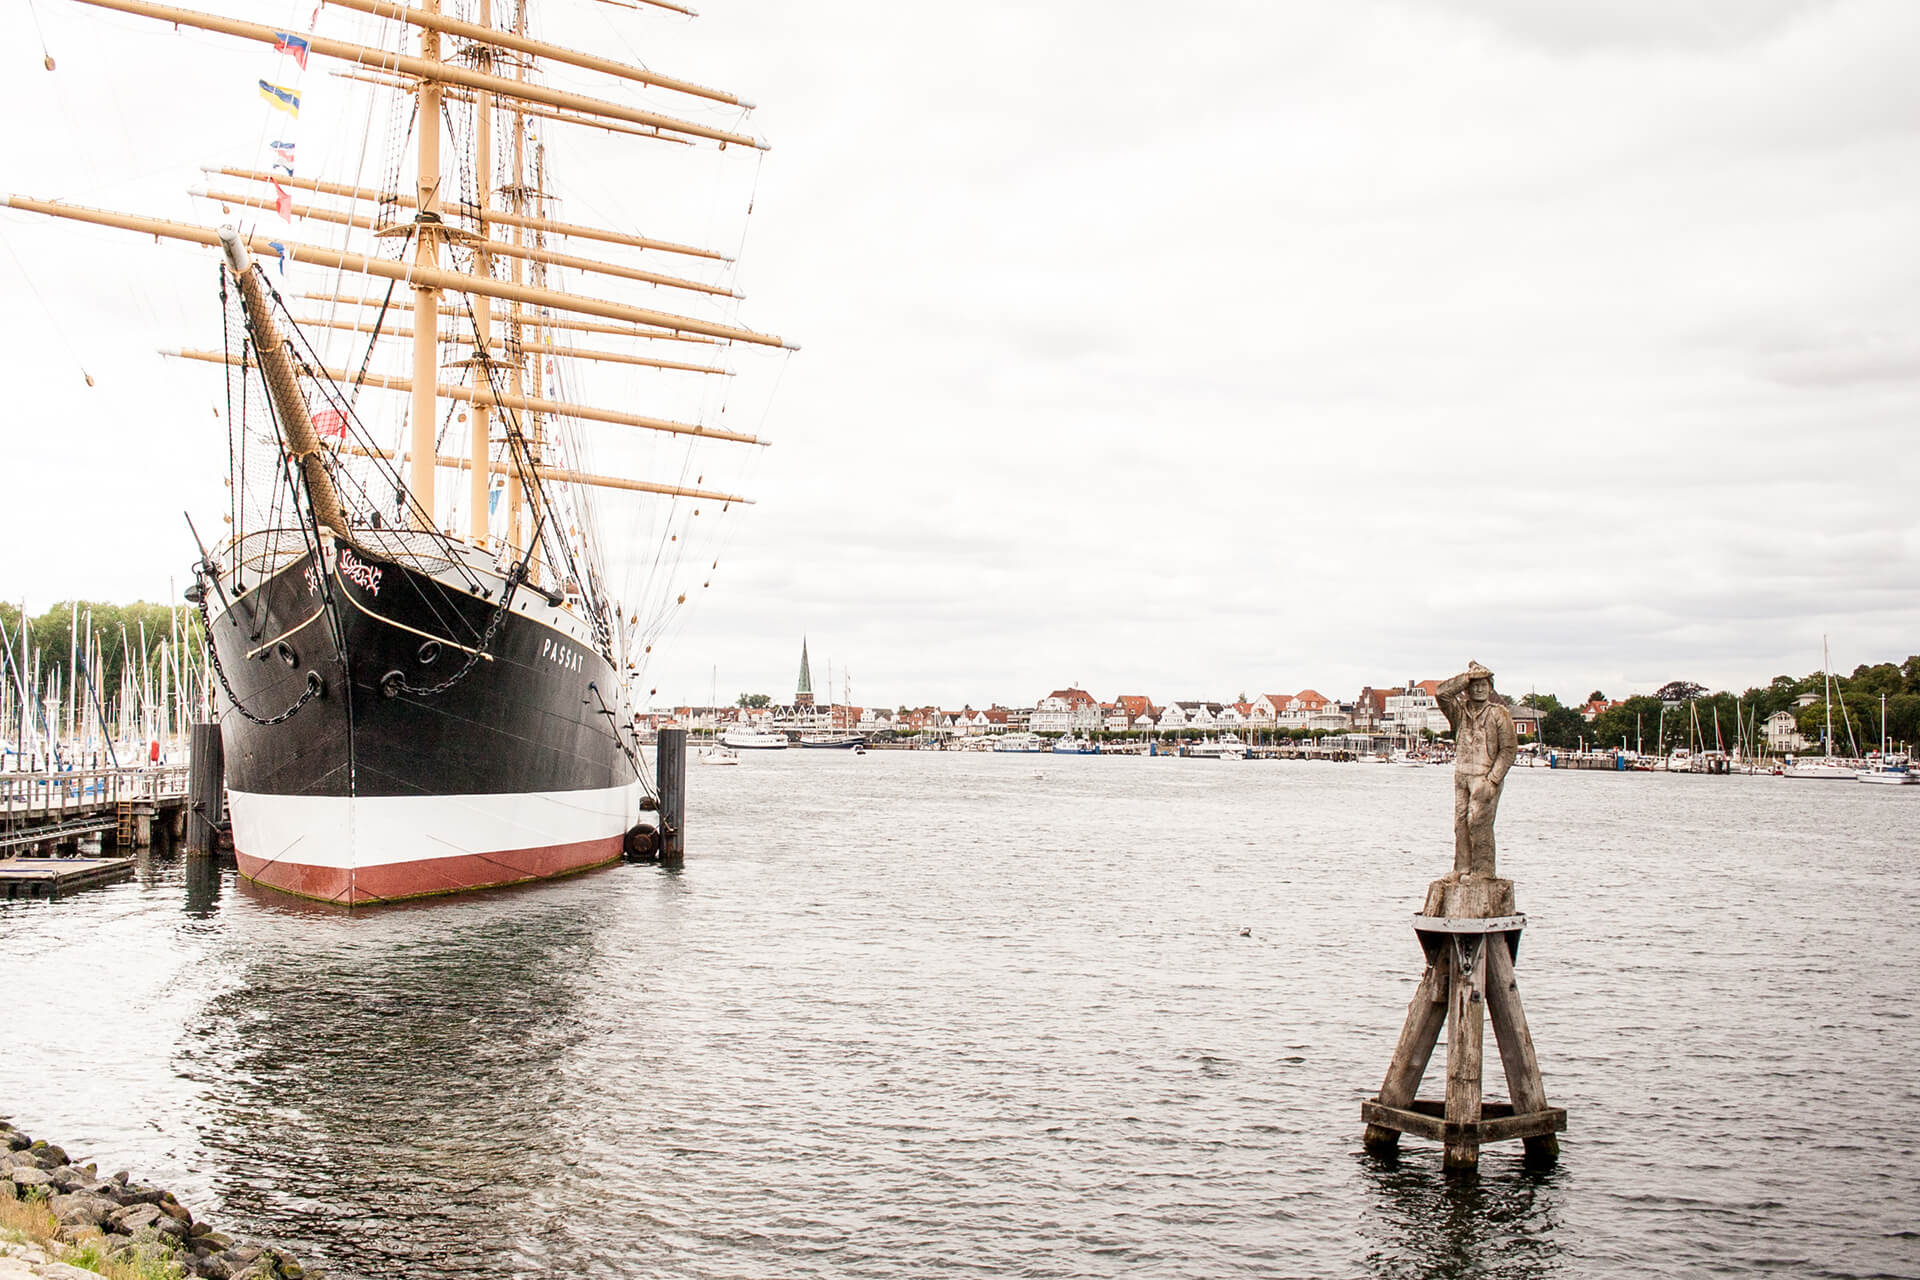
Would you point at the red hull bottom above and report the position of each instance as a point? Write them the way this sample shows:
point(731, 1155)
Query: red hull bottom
point(395, 881)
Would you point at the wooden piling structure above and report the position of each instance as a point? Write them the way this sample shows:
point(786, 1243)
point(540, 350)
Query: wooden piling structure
point(670, 762)
point(206, 789)
point(1470, 934)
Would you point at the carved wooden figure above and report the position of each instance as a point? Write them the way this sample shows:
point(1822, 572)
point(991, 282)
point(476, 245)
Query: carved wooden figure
point(1470, 933)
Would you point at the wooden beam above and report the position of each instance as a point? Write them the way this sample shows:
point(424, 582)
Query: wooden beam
point(406, 273)
point(527, 404)
point(427, 69)
point(537, 48)
point(501, 248)
point(566, 475)
point(500, 216)
point(402, 84)
point(548, 322)
point(576, 353)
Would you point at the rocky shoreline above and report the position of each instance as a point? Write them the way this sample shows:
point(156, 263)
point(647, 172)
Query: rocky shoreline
point(118, 1222)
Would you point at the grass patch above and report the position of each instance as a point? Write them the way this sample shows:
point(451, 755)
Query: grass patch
point(28, 1220)
point(31, 1221)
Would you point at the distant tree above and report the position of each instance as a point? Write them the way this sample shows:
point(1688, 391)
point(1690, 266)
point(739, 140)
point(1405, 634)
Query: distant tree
point(1562, 727)
point(1679, 691)
point(1596, 696)
point(1635, 722)
point(753, 701)
point(1540, 701)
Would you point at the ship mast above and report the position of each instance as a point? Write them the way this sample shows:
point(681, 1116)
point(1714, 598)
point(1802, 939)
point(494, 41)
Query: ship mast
point(479, 474)
point(428, 229)
point(519, 301)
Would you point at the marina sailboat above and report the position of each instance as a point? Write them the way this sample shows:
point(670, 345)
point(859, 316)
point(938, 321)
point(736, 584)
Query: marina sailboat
point(1825, 767)
point(424, 655)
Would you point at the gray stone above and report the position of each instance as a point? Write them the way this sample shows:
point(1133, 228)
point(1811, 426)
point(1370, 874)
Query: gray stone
point(27, 1176)
point(82, 1208)
point(68, 1178)
point(65, 1271)
point(131, 1218)
point(212, 1266)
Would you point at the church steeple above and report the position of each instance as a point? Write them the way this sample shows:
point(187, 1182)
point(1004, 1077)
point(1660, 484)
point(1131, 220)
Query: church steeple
point(804, 696)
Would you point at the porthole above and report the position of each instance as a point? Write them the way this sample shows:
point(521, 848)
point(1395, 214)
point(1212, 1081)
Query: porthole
point(287, 655)
point(429, 650)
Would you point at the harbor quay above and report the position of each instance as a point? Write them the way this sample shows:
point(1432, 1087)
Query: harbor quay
point(1854, 725)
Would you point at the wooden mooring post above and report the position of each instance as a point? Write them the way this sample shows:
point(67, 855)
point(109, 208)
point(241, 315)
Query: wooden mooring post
point(1471, 936)
point(206, 788)
point(670, 764)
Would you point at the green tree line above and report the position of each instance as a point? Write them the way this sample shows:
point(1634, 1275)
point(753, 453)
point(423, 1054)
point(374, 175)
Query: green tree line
point(1692, 714)
point(117, 627)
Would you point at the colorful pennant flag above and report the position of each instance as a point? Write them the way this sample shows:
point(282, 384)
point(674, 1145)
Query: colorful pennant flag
point(283, 252)
point(330, 424)
point(285, 151)
point(283, 202)
point(282, 99)
point(284, 42)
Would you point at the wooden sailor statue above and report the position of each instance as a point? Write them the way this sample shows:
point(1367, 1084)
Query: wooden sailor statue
point(1470, 933)
point(1484, 744)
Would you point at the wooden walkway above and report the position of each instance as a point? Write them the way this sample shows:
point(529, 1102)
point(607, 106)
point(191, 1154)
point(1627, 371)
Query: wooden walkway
point(50, 877)
point(59, 807)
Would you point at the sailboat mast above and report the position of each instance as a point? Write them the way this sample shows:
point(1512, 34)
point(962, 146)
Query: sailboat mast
point(1826, 670)
point(426, 298)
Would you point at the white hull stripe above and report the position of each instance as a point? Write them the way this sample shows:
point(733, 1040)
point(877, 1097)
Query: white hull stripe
point(350, 832)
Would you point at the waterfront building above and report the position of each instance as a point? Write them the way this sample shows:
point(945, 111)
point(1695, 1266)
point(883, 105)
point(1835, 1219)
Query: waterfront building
point(1173, 716)
point(1783, 732)
point(1115, 717)
point(803, 695)
point(1307, 706)
point(1196, 715)
point(1264, 713)
point(1138, 707)
point(1526, 720)
point(1416, 709)
point(1066, 711)
point(1369, 709)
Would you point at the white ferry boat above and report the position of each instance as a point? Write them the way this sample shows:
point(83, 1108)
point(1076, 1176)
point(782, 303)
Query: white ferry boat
point(747, 738)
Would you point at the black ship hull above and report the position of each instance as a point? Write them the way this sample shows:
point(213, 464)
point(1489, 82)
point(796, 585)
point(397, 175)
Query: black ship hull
point(436, 742)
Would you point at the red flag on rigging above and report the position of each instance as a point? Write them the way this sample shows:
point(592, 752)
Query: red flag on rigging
point(330, 424)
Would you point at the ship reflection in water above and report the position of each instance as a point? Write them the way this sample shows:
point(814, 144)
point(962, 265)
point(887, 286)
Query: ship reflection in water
point(387, 1089)
point(932, 1016)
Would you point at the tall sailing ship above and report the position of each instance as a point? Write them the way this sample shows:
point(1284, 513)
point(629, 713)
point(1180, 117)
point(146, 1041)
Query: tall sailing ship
point(424, 654)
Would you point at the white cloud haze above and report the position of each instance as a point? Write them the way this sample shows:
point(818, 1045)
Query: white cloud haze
point(1185, 350)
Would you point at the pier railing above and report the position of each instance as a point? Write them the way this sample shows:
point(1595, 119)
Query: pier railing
point(53, 795)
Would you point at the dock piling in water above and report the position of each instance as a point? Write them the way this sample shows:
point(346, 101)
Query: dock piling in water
point(1470, 933)
point(670, 760)
point(206, 785)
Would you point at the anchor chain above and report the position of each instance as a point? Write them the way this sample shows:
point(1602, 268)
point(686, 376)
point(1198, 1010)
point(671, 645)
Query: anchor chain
point(314, 684)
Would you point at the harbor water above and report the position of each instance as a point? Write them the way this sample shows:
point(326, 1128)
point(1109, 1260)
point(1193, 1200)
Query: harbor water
point(913, 1014)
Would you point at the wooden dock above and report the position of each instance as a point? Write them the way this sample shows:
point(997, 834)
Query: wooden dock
point(55, 808)
point(51, 877)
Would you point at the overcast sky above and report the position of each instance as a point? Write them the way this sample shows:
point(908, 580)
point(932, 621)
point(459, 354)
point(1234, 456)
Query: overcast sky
point(1185, 350)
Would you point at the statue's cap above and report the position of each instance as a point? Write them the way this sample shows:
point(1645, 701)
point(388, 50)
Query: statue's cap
point(1477, 672)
